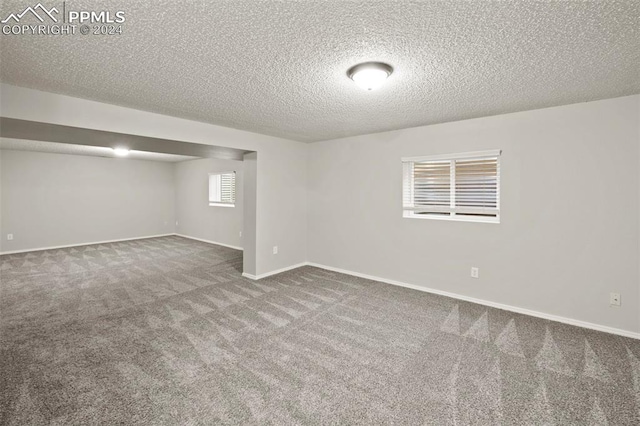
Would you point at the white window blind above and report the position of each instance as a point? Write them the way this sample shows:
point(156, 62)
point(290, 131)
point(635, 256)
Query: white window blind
point(222, 189)
point(457, 186)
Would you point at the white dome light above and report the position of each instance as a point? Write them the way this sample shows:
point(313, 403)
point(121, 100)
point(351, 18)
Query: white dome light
point(121, 152)
point(370, 75)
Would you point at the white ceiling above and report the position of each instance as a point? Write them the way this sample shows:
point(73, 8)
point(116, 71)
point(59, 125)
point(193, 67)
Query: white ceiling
point(279, 68)
point(94, 151)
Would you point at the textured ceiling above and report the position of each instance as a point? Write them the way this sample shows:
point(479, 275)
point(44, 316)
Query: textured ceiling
point(279, 68)
point(94, 151)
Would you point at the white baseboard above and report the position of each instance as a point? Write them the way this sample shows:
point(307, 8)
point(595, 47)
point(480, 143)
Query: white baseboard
point(570, 321)
point(209, 242)
point(277, 271)
point(524, 311)
point(84, 244)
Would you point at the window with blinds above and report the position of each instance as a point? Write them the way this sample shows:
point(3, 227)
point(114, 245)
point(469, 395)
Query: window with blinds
point(457, 186)
point(222, 189)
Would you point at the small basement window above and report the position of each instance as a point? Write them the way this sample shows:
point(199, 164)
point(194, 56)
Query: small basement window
point(222, 189)
point(454, 187)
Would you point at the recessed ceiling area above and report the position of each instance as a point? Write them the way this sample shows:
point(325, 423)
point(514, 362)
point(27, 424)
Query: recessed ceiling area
point(280, 68)
point(92, 151)
point(17, 130)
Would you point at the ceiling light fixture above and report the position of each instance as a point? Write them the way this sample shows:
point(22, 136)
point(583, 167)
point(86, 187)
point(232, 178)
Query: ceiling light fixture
point(370, 75)
point(121, 152)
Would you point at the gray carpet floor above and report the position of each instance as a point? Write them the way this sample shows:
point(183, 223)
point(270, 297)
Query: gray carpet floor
point(166, 331)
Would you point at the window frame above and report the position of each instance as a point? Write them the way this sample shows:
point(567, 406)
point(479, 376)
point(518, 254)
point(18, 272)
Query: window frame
point(222, 203)
point(452, 215)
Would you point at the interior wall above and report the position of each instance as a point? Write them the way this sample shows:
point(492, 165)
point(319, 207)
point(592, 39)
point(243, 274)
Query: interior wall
point(250, 188)
point(569, 232)
point(281, 195)
point(570, 228)
point(195, 218)
point(53, 200)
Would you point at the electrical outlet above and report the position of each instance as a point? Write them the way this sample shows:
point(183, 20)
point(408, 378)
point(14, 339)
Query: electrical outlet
point(240, 234)
point(176, 223)
point(275, 249)
point(9, 237)
point(614, 299)
point(475, 272)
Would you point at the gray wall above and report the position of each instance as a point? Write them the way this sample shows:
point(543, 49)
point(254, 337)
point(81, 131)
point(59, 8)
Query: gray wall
point(281, 169)
point(250, 176)
point(569, 234)
point(56, 199)
point(570, 217)
point(194, 215)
